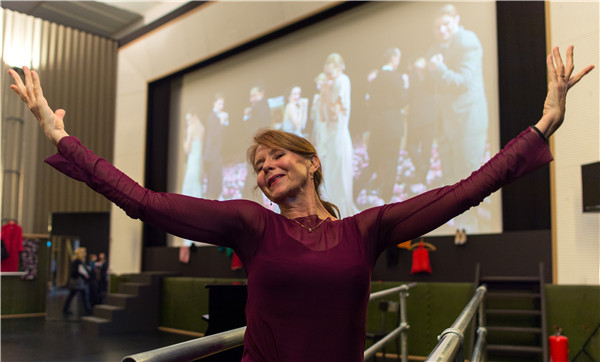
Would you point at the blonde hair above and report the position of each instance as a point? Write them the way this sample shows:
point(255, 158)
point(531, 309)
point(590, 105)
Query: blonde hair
point(291, 142)
point(337, 60)
point(79, 254)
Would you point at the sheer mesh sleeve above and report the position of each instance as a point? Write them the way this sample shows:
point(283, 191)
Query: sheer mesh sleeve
point(391, 224)
point(236, 223)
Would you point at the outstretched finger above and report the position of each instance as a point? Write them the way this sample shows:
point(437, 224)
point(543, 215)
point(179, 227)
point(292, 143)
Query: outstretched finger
point(551, 71)
point(569, 67)
point(577, 77)
point(29, 84)
point(18, 87)
point(37, 86)
point(560, 67)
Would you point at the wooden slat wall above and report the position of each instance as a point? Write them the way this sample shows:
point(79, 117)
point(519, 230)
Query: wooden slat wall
point(78, 72)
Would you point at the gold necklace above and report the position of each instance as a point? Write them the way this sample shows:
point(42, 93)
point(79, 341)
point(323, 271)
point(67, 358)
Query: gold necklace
point(310, 230)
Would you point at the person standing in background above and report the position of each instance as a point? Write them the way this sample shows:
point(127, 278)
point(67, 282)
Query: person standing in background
point(94, 290)
point(78, 282)
point(102, 269)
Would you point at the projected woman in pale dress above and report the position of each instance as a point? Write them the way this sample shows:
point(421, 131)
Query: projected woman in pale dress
point(337, 159)
point(294, 116)
point(319, 134)
point(192, 181)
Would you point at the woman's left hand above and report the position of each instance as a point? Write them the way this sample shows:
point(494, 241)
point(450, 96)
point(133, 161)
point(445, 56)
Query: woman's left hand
point(559, 83)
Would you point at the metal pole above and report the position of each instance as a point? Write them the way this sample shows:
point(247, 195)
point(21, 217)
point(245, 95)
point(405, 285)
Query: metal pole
point(382, 342)
point(451, 339)
point(384, 293)
point(403, 322)
point(479, 354)
point(194, 349)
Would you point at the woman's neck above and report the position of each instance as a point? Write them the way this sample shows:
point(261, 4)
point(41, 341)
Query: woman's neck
point(303, 208)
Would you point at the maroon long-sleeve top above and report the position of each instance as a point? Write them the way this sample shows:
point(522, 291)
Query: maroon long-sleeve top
point(307, 291)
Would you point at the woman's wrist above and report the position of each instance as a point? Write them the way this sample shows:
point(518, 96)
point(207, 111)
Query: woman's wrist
point(57, 135)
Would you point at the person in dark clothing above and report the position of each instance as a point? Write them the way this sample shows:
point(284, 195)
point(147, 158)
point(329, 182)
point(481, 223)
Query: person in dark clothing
point(388, 95)
point(78, 282)
point(93, 285)
point(422, 119)
point(102, 269)
point(308, 271)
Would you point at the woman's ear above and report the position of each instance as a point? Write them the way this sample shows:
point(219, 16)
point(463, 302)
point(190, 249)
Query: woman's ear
point(315, 163)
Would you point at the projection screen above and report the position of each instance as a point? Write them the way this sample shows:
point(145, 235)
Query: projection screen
point(394, 105)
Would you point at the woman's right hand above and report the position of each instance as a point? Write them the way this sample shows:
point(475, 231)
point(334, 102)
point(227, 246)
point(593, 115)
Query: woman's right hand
point(31, 93)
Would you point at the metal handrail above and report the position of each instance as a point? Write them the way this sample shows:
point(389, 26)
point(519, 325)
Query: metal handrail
point(194, 349)
point(386, 292)
point(402, 291)
point(205, 346)
point(451, 339)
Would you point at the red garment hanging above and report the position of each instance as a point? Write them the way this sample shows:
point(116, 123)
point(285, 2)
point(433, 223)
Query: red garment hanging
point(12, 235)
point(420, 261)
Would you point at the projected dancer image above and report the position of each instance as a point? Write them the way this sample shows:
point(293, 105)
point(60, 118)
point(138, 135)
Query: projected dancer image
point(294, 115)
point(337, 160)
point(309, 271)
point(192, 146)
point(455, 65)
point(319, 133)
point(258, 115)
point(422, 120)
point(216, 122)
point(388, 95)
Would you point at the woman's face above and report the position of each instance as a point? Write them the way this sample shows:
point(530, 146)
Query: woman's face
point(281, 174)
point(295, 94)
point(219, 104)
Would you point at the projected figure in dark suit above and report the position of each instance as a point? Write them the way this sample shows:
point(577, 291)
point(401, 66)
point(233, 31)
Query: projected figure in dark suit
point(422, 119)
point(455, 64)
point(258, 115)
point(388, 95)
point(213, 147)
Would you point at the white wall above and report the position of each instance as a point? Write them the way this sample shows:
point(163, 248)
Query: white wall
point(577, 249)
point(200, 34)
point(209, 30)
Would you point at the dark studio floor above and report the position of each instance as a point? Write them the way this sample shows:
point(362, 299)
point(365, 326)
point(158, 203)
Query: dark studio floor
point(56, 338)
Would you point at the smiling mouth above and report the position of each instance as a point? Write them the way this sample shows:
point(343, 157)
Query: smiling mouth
point(273, 179)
